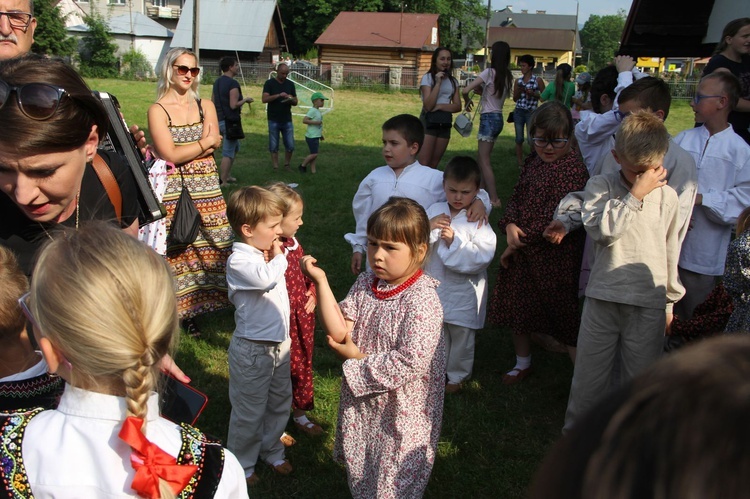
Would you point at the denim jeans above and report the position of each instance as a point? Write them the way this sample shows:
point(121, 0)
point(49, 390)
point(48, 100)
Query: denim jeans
point(490, 126)
point(229, 147)
point(521, 119)
point(287, 133)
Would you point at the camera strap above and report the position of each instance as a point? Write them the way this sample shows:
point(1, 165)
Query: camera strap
point(108, 180)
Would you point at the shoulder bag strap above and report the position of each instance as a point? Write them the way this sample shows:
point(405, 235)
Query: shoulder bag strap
point(108, 180)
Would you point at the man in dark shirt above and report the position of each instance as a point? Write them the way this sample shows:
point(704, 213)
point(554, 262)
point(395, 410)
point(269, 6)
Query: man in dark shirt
point(280, 94)
point(227, 97)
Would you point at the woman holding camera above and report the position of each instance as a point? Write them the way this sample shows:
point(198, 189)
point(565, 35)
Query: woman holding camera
point(185, 132)
point(440, 99)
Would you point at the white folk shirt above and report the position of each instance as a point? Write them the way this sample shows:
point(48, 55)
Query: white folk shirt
point(258, 291)
point(723, 163)
point(74, 451)
point(461, 268)
point(417, 182)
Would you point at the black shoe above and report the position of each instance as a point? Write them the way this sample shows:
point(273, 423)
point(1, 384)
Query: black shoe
point(191, 328)
point(302, 168)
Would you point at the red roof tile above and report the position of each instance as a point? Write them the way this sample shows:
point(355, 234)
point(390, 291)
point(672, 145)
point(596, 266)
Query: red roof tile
point(380, 29)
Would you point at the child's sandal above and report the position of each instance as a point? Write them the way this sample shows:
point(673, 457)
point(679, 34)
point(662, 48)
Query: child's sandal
point(287, 440)
point(310, 428)
point(512, 379)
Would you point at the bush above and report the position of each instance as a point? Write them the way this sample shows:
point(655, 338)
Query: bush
point(135, 66)
point(581, 68)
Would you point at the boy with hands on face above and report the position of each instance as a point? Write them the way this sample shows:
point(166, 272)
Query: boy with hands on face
point(634, 220)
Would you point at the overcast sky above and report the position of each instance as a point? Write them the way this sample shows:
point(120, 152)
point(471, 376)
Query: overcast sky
point(587, 7)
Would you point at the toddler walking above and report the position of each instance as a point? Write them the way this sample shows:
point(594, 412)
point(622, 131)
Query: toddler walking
point(388, 330)
point(314, 134)
point(302, 310)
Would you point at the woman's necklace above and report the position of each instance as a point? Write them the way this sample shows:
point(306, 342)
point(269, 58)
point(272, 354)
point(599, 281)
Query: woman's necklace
point(78, 198)
point(384, 294)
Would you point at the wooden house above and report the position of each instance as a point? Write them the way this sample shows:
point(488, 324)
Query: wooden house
point(380, 39)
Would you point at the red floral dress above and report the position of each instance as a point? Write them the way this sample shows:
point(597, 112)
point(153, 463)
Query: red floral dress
point(301, 327)
point(538, 292)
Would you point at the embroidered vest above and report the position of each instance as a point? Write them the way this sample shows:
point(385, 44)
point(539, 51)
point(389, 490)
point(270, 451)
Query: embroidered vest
point(197, 449)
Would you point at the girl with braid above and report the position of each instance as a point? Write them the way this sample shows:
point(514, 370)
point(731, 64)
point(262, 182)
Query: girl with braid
point(104, 313)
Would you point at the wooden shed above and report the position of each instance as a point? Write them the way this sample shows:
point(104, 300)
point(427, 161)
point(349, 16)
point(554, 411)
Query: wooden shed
point(380, 39)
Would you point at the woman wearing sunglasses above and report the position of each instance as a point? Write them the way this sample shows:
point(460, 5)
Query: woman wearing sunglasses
point(185, 132)
point(106, 438)
point(51, 127)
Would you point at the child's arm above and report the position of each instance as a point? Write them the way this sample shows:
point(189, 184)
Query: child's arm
point(362, 208)
point(469, 254)
point(724, 207)
point(675, 289)
point(244, 274)
point(479, 211)
point(419, 337)
point(334, 323)
point(477, 82)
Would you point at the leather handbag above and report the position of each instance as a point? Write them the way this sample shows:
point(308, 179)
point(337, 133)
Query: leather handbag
point(464, 124)
point(510, 117)
point(438, 119)
point(187, 220)
point(234, 129)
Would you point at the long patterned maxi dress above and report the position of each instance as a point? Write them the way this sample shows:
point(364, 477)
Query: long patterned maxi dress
point(199, 268)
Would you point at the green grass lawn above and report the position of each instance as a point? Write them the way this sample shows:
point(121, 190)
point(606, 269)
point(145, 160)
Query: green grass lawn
point(493, 436)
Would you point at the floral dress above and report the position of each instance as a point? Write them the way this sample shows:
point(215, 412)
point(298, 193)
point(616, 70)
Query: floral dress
point(199, 268)
point(391, 405)
point(538, 292)
point(301, 327)
point(737, 283)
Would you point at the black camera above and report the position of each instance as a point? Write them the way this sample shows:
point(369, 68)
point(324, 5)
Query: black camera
point(119, 140)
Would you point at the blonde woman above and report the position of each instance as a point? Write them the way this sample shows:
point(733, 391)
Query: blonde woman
point(185, 132)
point(106, 437)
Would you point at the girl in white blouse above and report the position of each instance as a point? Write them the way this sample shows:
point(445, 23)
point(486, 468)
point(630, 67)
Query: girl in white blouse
point(103, 310)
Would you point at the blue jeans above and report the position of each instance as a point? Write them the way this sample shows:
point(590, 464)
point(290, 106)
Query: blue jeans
point(521, 118)
point(287, 133)
point(229, 147)
point(490, 126)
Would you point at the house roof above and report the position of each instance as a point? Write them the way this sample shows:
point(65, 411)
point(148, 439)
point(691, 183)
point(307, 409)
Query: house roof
point(380, 29)
point(530, 38)
point(227, 25)
point(532, 20)
point(131, 24)
point(678, 28)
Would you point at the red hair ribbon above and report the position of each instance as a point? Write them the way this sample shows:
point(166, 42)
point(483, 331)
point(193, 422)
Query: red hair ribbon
point(151, 463)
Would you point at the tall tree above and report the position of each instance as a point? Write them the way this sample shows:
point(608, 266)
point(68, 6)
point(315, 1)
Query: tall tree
point(98, 58)
point(600, 39)
point(51, 37)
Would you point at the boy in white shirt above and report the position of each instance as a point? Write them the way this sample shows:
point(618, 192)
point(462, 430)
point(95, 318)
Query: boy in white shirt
point(260, 387)
point(722, 159)
point(403, 176)
point(460, 252)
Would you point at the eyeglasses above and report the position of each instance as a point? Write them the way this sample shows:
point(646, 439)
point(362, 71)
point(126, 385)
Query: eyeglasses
point(699, 97)
point(38, 101)
point(17, 19)
point(23, 302)
point(619, 115)
point(556, 143)
point(183, 70)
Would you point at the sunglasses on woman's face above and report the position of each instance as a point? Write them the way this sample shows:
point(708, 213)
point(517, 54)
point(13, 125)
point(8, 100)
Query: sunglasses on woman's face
point(183, 70)
point(38, 101)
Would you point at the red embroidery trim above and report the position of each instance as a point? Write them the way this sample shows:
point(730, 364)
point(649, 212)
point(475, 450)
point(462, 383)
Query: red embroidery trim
point(382, 295)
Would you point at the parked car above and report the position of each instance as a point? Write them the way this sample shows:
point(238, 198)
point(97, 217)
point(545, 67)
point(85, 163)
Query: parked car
point(306, 68)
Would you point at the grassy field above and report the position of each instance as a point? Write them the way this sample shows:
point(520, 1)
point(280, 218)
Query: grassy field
point(493, 436)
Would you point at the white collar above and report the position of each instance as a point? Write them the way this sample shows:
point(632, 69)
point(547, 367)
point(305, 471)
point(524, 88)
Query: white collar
point(85, 403)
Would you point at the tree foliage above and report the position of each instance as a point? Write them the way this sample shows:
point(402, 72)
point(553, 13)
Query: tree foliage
point(51, 37)
point(459, 20)
point(600, 39)
point(98, 58)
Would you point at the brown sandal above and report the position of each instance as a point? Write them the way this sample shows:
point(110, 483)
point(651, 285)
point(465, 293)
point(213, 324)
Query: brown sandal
point(509, 379)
